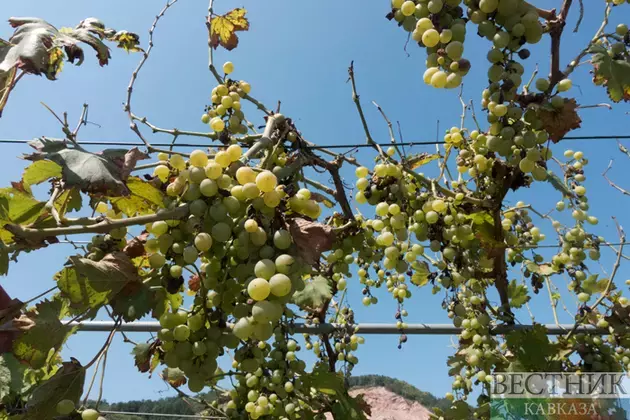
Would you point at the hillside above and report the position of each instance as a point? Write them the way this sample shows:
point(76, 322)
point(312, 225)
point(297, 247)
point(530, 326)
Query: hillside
point(390, 399)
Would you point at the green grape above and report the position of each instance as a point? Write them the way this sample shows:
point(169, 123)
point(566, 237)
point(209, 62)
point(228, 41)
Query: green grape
point(243, 329)
point(280, 285)
point(89, 414)
point(221, 232)
point(250, 225)
point(408, 8)
point(203, 241)
point(181, 333)
point(266, 181)
point(65, 407)
point(488, 6)
point(583, 297)
point(162, 172)
point(564, 85)
point(621, 29)
point(199, 348)
point(156, 260)
point(282, 239)
point(262, 331)
point(196, 384)
point(430, 38)
point(190, 254)
point(265, 269)
point(284, 263)
point(258, 289)
point(361, 172)
point(198, 158)
point(195, 322)
point(208, 188)
point(454, 50)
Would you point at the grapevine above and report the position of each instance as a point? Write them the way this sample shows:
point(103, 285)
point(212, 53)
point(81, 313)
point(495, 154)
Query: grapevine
point(258, 245)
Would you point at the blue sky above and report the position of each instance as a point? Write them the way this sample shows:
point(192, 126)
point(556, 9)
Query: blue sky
point(296, 52)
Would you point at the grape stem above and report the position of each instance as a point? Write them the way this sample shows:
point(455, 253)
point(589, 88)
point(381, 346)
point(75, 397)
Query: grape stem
point(98, 225)
point(556, 27)
point(612, 184)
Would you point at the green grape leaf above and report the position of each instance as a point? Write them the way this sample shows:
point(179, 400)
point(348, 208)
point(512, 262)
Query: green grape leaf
point(222, 29)
point(11, 375)
point(144, 198)
point(133, 302)
point(315, 293)
point(18, 207)
point(47, 332)
point(614, 74)
point(174, 376)
point(558, 184)
point(102, 173)
point(332, 383)
point(88, 284)
point(40, 171)
point(481, 217)
point(66, 384)
point(4, 259)
point(518, 294)
point(459, 410)
point(175, 300)
point(531, 348)
point(69, 200)
point(456, 362)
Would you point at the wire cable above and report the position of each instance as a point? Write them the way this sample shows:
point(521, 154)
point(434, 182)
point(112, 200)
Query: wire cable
point(179, 416)
point(314, 147)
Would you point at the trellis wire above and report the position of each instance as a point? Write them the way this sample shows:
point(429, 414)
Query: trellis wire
point(323, 328)
point(179, 416)
point(313, 147)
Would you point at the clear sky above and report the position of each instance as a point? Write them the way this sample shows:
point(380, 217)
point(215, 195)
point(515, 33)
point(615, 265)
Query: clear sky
point(297, 52)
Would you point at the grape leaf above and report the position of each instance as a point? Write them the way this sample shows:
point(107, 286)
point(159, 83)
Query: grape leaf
point(612, 73)
point(320, 198)
point(48, 332)
point(69, 200)
point(331, 383)
point(314, 294)
point(311, 238)
point(558, 122)
point(11, 375)
point(37, 47)
point(4, 259)
point(518, 294)
point(66, 384)
point(144, 198)
point(133, 302)
point(558, 184)
point(104, 172)
point(420, 159)
point(88, 284)
point(223, 29)
point(531, 348)
point(481, 217)
point(40, 171)
point(544, 269)
point(18, 207)
point(142, 355)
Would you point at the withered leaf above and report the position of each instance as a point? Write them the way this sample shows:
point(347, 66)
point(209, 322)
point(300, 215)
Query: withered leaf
point(559, 122)
point(311, 238)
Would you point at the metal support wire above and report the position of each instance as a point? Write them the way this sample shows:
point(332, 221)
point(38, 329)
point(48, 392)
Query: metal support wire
point(179, 416)
point(383, 329)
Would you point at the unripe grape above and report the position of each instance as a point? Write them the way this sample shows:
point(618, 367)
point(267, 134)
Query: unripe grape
point(583, 297)
point(198, 158)
point(217, 124)
point(203, 241)
point(258, 289)
point(89, 414)
point(251, 225)
point(266, 181)
point(223, 159)
point(431, 38)
point(564, 85)
point(228, 67)
point(157, 260)
point(542, 84)
point(162, 172)
point(282, 239)
point(65, 407)
point(280, 285)
point(408, 8)
point(439, 79)
point(621, 29)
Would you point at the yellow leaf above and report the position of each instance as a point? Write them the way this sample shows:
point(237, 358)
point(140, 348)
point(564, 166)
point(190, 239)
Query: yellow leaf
point(421, 159)
point(222, 28)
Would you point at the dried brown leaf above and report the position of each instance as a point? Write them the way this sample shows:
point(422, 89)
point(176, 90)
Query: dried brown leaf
point(559, 122)
point(311, 238)
point(135, 247)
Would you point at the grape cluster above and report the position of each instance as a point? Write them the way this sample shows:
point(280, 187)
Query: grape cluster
point(225, 110)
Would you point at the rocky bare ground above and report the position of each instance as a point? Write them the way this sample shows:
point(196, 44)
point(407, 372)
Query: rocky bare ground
point(386, 405)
